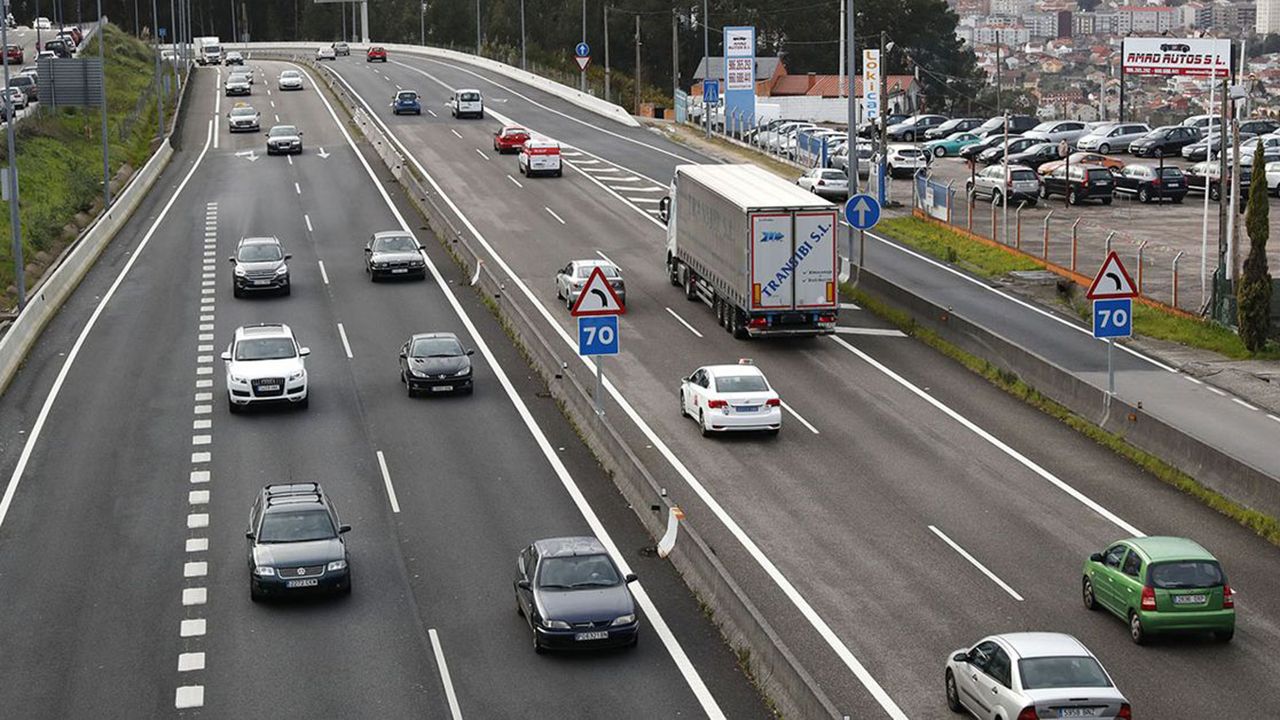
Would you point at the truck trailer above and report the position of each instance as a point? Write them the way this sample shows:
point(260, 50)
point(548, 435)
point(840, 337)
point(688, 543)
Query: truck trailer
point(758, 250)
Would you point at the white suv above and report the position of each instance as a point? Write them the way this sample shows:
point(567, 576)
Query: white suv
point(264, 365)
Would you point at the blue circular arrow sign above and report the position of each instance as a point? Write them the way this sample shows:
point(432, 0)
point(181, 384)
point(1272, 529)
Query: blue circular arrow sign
point(582, 50)
point(862, 212)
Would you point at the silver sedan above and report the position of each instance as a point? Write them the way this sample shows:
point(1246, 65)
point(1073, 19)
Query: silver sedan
point(571, 279)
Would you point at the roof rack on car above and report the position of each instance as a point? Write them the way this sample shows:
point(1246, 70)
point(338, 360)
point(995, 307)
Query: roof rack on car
point(285, 489)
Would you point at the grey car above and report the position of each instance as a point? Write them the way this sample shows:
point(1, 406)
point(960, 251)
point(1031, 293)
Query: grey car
point(1031, 675)
point(260, 264)
point(574, 596)
point(284, 139)
point(1115, 136)
point(238, 84)
point(1022, 184)
point(394, 254)
point(571, 278)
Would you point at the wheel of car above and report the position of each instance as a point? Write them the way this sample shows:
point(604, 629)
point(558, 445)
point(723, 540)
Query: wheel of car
point(939, 151)
point(568, 301)
point(234, 408)
point(673, 273)
point(690, 287)
point(908, 137)
point(519, 607)
point(1073, 197)
point(537, 646)
point(559, 172)
point(997, 198)
point(739, 329)
point(1214, 194)
point(702, 425)
point(1137, 633)
point(1144, 196)
point(953, 695)
point(254, 595)
point(1104, 148)
point(1157, 152)
point(1224, 635)
point(1086, 593)
point(1106, 200)
point(1044, 192)
point(1177, 199)
point(773, 432)
point(288, 289)
point(235, 291)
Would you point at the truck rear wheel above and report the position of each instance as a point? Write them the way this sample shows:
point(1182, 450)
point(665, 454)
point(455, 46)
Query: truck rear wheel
point(673, 271)
point(690, 286)
point(737, 326)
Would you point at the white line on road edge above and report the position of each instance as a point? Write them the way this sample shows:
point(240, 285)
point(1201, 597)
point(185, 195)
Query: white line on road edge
point(1242, 403)
point(1216, 391)
point(36, 429)
point(309, 228)
point(1273, 417)
point(346, 346)
point(797, 416)
point(454, 710)
point(682, 322)
point(554, 215)
point(700, 691)
point(517, 182)
point(217, 109)
point(323, 275)
point(993, 440)
point(386, 479)
point(876, 332)
point(974, 561)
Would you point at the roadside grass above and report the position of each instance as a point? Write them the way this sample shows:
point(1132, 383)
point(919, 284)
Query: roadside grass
point(993, 262)
point(1263, 525)
point(59, 157)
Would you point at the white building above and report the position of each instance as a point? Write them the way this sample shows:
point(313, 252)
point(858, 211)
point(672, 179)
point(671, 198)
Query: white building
point(988, 35)
point(1011, 8)
point(1268, 17)
point(1146, 19)
point(1041, 25)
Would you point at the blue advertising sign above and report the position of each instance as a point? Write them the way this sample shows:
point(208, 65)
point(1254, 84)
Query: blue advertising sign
point(711, 92)
point(598, 335)
point(862, 212)
point(1113, 318)
point(582, 49)
point(740, 74)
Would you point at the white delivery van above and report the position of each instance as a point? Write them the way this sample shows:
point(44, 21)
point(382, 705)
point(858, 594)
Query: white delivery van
point(540, 156)
point(467, 103)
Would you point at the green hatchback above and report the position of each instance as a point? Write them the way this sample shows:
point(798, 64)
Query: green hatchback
point(950, 145)
point(1161, 584)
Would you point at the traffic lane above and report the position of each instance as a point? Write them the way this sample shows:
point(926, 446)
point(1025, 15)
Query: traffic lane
point(374, 634)
point(491, 498)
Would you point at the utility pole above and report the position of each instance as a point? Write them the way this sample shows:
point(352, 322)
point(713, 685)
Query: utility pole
point(234, 36)
point(155, 23)
point(883, 103)
point(851, 107)
point(1222, 180)
point(422, 23)
point(999, 102)
point(173, 34)
point(582, 76)
point(102, 78)
point(15, 227)
point(675, 55)
point(840, 76)
point(607, 90)
point(637, 78)
point(1004, 202)
point(706, 66)
point(136, 31)
point(524, 63)
point(478, 27)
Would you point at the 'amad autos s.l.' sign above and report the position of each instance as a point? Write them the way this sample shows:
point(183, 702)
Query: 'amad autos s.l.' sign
point(1199, 57)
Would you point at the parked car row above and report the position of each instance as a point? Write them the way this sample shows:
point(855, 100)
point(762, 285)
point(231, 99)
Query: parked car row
point(1080, 181)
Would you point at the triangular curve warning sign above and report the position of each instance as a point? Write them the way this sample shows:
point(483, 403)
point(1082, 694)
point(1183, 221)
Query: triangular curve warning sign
point(1113, 281)
point(597, 297)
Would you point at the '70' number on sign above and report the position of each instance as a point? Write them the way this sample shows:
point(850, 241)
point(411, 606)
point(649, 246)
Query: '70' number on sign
point(599, 335)
point(1119, 317)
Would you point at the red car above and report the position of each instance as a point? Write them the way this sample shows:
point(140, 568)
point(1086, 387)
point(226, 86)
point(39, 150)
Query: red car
point(15, 54)
point(510, 138)
point(376, 53)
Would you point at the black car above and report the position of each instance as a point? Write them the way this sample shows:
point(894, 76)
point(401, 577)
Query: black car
point(951, 127)
point(913, 128)
point(1259, 127)
point(435, 362)
point(394, 254)
point(1164, 141)
point(1036, 155)
point(260, 264)
point(26, 84)
point(872, 128)
point(971, 152)
point(1206, 173)
point(1150, 184)
point(58, 47)
point(1087, 182)
point(995, 153)
point(573, 595)
point(1018, 124)
point(295, 543)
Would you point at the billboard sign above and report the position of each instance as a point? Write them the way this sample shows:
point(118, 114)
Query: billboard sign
point(739, 89)
point(1197, 57)
point(870, 85)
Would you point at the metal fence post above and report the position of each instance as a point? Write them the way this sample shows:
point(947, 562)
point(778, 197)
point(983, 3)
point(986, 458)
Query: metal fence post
point(1109, 236)
point(1017, 221)
point(969, 210)
point(994, 230)
point(1074, 236)
point(951, 196)
point(1045, 252)
point(1142, 247)
point(1176, 258)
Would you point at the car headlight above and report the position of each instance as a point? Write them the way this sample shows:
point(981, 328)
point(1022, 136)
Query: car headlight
point(235, 380)
point(298, 375)
point(416, 263)
point(463, 371)
point(239, 271)
point(282, 270)
point(624, 619)
point(336, 565)
point(264, 571)
point(555, 624)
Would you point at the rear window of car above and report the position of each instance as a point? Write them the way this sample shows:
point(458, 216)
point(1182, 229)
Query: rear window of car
point(1022, 175)
point(1186, 574)
point(1171, 172)
point(740, 383)
point(585, 270)
point(832, 175)
point(469, 97)
point(1099, 174)
point(1061, 672)
point(909, 152)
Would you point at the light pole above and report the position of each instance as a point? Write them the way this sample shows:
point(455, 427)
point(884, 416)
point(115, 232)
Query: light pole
point(851, 167)
point(582, 77)
point(477, 27)
point(233, 23)
point(102, 80)
point(607, 89)
point(15, 227)
point(422, 25)
point(524, 64)
point(155, 24)
point(706, 66)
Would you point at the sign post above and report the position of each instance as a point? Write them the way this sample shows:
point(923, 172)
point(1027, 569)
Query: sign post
point(597, 309)
point(582, 55)
point(1112, 293)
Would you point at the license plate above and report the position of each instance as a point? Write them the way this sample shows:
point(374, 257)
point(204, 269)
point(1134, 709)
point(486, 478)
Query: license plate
point(597, 635)
point(1101, 182)
point(261, 282)
point(1076, 712)
point(396, 271)
point(302, 583)
point(442, 388)
point(268, 388)
point(746, 408)
point(1190, 599)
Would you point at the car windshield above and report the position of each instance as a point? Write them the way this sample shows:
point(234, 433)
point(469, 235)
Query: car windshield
point(238, 77)
point(1099, 174)
point(243, 112)
point(1186, 574)
point(265, 349)
point(585, 270)
point(282, 130)
point(578, 571)
point(1061, 672)
point(436, 347)
point(259, 252)
point(740, 383)
point(469, 97)
point(296, 526)
point(395, 243)
point(290, 75)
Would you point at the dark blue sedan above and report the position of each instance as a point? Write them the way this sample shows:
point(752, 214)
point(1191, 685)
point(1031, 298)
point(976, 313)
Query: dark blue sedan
point(406, 101)
point(573, 595)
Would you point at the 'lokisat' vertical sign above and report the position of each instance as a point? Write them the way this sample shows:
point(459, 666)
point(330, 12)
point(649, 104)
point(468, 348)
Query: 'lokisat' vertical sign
point(739, 76)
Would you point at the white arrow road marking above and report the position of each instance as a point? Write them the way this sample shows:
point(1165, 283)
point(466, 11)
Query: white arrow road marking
point(323, 154)
point(248, 155)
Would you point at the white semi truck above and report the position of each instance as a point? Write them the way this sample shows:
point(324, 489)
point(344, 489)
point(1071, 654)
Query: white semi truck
point(757, 249)
point(208, 50)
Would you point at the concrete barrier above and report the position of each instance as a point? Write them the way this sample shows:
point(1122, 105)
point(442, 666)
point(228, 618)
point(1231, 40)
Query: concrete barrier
point(586, 101)
point(777, 670)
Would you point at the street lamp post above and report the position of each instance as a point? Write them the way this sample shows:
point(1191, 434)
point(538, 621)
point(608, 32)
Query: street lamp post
point(524, 61)
point(102, 79)
point(155, 23)
point(582, 76)
point(15, 227)
point(422, 24)
point(706, 67)
point(477, 27)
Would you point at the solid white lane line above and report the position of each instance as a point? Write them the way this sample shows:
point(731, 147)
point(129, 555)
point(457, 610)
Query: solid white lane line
point(993, 440)
point(974, 561)
point(656, 620)
point(308, 219)
point(481, 153)
point(1194, 380)
point(454, 710)
point(16, 477)
point(682, 322)
point(189, 696)
point(455, 133)
point(517, 182)
point(797, 416)
point(554, 215)
point(1242, 403)
point(874, 332)
point(386, 479)
point(606, 258)
point(297, 188)
point(190, 661)
point(323, 275)
point(346, 346)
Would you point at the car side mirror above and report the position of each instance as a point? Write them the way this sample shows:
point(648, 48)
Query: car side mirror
point(524, 584)
point(300, 133)
point(231, 259)
point(471, 352)
point(287, 256)
point(664, 209)
point(404, 354)
point(344, 529)
point(226, 356)
point(960, 657)
point(304, 351)
point(1096, 557)
point(422, 248)
point(368, 251)
point(248, 534)
point(631, 577)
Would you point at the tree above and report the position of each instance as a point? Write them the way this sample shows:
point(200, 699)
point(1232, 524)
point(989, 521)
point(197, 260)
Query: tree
point(1253, 295)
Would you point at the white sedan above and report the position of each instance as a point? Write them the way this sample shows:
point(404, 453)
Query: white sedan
point(290, 80)
point(326, 53)
point(828, 183)
point(1273, 178)
point(724, 398)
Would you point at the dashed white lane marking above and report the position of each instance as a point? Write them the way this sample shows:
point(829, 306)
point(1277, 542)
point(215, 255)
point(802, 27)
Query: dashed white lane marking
point(849, 306)
point(273, 103)
point(654, 201)
point(386, 479)
point(201, 439)
point(606, 258)
point(455, 133)
point(517, 182)
point(625, 179)
point(876, 332)
point(1194, 380)
point(297, 188)
point(201, 424)
point(580, 162)
point(1216, 391)
point(309, 228)
point(323, 275)
point(346, 346)
point(1242, 403)
point(974, 561)
point(197, 520)
point(554, 215)
point(1273, 417)
point(192, 628)
point(206, 383)
point(454, 710)
point(195, 596)
point(277, 118)
point(432, 113)
point(289, 158)
point(641, 189)
point(202, 410)
point(190, 661)
point(198, 497)
point(689, 327)
point(799, 417)
point(197, 544)
point(189, 696)
point(481, 153)
point(195, 569)
point(398, 86)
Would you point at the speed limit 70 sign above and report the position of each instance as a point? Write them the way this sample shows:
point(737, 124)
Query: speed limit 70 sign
point(598, 335)
point(1113, 318)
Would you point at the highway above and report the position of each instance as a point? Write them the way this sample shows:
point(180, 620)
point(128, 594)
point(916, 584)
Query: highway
point(908, 508)
point(128, 484)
